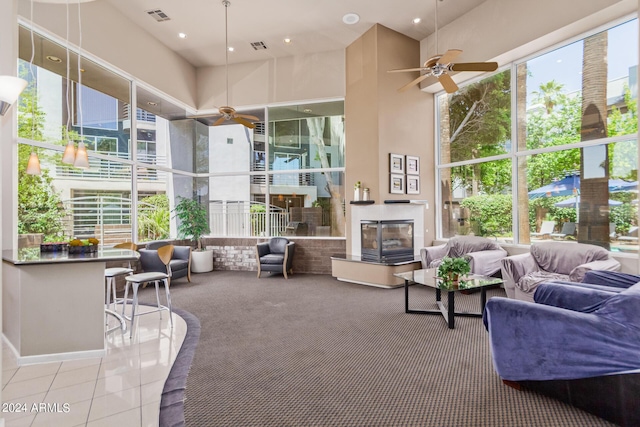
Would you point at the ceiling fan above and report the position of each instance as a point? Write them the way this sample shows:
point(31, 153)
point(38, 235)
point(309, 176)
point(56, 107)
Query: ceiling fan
point(226, 112)
point(440, 66)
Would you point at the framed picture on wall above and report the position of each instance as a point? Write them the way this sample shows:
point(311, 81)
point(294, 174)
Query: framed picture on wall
point(413, 184)
point(396, 163)
point(413, 165)
point(396, 183)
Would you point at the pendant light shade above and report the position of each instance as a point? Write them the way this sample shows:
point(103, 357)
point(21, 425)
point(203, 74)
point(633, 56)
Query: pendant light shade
point(33, 167)
point(10, 89)
point(82, 159)
point(69, 155)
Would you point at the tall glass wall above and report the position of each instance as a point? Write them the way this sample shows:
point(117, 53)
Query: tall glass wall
point(128, 190)
point(572, 160)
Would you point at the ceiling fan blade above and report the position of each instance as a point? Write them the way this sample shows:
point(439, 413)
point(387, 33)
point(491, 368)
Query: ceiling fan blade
point(219, 121)
point(447, 83)
point(246, 116)
point(414, 82)
point(402, 70)
point(475, 66)
point(449, 56)
point(243, 122)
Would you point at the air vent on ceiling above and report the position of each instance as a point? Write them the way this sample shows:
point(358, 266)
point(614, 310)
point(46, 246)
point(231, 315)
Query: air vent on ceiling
point(259, 46)
point(158, 15)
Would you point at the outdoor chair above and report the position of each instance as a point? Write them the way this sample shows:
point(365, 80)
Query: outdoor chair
point(631, 236)
point(568, 229)
point(545, 229)
point(275, 256)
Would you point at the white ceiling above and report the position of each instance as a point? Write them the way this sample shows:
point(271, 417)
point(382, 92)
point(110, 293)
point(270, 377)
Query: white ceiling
point(313, 25)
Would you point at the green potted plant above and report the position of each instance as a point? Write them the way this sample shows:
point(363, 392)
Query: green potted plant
point(193, 224)
point(450, 270)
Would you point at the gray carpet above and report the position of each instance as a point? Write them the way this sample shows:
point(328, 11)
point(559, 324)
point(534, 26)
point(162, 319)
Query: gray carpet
point(313, 351)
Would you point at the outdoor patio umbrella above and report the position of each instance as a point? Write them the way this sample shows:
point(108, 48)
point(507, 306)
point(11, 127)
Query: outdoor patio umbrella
point(574, 201)
point(570, 186)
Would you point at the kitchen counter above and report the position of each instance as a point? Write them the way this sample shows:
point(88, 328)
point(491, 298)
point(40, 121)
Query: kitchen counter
point(53, 303)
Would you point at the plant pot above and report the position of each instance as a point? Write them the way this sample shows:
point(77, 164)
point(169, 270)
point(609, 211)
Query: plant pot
point(201, 261)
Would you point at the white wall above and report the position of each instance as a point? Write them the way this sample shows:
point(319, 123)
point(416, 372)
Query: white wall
point(278, 80)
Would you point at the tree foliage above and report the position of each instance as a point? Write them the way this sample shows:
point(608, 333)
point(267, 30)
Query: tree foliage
point(154, 217)
point(40, 208)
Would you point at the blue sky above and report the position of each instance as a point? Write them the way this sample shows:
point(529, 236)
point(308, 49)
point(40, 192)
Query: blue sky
point(564, 65)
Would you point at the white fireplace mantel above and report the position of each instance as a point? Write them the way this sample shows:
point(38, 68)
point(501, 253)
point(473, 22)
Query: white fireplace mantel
point(390, 211)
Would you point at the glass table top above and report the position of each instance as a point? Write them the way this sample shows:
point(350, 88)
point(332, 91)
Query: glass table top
point(427, 277)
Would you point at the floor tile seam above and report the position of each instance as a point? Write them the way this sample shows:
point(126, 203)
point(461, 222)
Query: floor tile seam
point(55, 374)
point(95, 386)
point(139, 408)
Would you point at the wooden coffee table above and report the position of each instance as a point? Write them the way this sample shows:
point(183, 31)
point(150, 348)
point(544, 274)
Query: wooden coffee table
point(427, 277)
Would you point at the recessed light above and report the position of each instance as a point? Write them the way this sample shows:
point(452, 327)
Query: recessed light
point(307, 110)
point(231, 49)
point(287, 40)
point(416, 20)
point(153, 104)
point(182, 35)
point(54, 58)
point(351, 18)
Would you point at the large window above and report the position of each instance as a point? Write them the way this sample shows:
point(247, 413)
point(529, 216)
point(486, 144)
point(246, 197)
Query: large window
point(572, 159)
point(285, 177)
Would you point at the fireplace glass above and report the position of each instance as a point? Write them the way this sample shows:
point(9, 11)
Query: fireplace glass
point(387, 241)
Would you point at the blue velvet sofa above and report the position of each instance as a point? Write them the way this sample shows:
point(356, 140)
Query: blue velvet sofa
point(579, 343)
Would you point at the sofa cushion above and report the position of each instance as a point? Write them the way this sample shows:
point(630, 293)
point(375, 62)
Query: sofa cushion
point(178, 264)
point(560, 258)
point(278, 245)
point(461, 245)
point(529, 282)
point(272, 259)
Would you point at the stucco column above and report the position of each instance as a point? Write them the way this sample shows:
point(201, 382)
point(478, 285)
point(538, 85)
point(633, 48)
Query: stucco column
point(8, 66)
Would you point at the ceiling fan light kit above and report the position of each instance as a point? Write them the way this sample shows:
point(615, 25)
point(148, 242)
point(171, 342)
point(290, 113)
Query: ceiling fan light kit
point(439, 66)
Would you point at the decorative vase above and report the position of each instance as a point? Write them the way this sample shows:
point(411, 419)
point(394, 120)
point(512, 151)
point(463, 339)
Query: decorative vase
point(356, 194)
point(365, 194)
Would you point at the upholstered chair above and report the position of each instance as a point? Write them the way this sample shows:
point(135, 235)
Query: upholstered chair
point(180, 260)
point(275, 256)
point(562, 261)
point(484, 255)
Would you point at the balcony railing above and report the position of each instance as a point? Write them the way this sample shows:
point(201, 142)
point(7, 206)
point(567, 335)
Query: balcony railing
point(113, 170)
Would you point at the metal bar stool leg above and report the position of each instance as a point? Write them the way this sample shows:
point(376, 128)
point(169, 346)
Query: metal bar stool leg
point(168, 294)
point(134, 306)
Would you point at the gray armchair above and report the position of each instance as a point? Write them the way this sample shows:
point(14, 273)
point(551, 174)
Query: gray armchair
point(180, 261)
point(276, 255)
point(484, 255)
point(552, 261)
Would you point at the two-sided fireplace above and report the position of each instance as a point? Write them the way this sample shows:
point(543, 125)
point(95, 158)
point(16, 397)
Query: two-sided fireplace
point(387, 241)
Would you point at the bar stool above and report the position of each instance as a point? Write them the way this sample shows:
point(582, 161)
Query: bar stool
point(135, 280)
point(110, 275)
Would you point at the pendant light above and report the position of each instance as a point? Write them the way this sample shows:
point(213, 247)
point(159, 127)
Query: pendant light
point(69, 155)
point(33, 165)
point(82, 159)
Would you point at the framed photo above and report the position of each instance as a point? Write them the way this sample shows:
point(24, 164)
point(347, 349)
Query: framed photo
point(396, 183)
point(413, 184)
point(413, 165)
point(396, 163)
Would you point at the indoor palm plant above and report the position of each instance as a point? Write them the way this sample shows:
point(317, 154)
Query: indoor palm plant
point(193, 224)
point(450, 270)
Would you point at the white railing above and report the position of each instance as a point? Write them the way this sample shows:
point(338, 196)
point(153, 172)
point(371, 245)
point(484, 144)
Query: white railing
point(235, 219)
point(110, 170)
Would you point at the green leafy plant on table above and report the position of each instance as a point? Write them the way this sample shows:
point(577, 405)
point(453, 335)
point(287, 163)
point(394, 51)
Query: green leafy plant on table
point(193, 220)
point(450, 269)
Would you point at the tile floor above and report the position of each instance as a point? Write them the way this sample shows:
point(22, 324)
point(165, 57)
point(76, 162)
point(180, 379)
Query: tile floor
point(122, 389)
